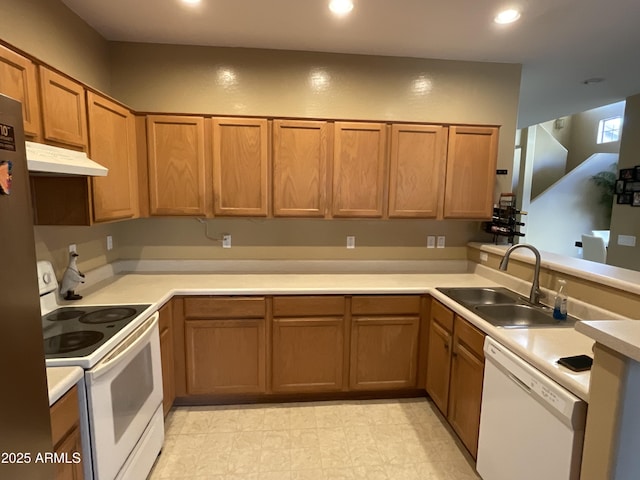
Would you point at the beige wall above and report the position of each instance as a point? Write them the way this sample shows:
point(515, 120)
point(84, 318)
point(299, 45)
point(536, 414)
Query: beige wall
point(49, 31)
point(625, 219)
point(179, 238)
point(584, 131)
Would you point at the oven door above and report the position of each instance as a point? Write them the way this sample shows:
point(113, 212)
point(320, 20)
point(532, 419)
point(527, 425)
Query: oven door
point(123, 391)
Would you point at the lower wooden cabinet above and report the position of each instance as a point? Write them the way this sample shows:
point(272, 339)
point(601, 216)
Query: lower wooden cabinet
point(167, 357)
point(307, 354)
point(384, 342)
point(225, 345)
point(225, 356)
point(465, 391)
point(455, 371)
point(308, 344)
point(65, 432)
point(439, 355)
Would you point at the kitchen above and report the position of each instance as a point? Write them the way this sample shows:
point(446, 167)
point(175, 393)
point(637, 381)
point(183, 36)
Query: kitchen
point(493, 102)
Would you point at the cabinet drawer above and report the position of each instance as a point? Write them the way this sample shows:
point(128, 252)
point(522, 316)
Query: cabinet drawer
point(385, 305)
point(224, 307)
point(297, 306)
point(64, 415)
point(442, 315)
point(470, 336)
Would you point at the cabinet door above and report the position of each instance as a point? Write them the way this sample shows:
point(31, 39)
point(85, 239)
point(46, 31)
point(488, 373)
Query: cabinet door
point(307, 354)
point(439, 355)
point(416, 171)
point(112, 135)
point(467, 373)
point(384, 352)
point(167, 357)
point(300, 159)
point(64, 110)
point(178, 183)
point(65, 435)
point(240, 167)
point(70, 446)
point(225, 356)
point(471, 171)
point(18, 80)
point(359, 169)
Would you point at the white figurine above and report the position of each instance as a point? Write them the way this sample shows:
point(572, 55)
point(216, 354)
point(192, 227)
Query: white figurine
point(71, 278)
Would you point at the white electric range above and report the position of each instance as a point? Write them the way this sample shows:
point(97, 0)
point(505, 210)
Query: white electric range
point(118, 346)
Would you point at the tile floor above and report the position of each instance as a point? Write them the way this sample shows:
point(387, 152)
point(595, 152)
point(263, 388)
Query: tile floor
point(375, 439)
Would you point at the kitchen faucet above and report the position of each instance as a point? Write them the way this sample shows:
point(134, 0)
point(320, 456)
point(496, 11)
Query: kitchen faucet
point(535, 295)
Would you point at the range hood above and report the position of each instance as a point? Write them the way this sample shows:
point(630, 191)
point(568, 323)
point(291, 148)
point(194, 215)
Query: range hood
point(46, 159)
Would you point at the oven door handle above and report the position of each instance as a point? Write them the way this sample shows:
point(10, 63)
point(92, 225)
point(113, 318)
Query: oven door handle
point(131, 346)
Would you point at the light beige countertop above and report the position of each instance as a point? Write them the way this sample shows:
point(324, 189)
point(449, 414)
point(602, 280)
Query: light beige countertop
point(539, 346)
point(622, 336)
point(60, 380)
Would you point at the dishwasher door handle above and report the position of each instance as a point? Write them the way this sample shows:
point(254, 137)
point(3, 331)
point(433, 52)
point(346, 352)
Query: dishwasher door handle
point(519, 382)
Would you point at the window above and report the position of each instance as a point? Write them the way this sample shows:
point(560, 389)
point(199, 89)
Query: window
point(609, 130)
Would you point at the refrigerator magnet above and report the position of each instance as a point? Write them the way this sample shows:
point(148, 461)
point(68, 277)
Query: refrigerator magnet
point(5, 177)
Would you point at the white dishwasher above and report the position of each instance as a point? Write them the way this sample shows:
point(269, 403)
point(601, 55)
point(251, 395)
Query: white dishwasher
point(531, 428)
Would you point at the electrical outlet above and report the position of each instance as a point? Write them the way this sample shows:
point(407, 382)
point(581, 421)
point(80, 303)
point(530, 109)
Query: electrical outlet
point(627, 240)
point(109, 242)
point(351, 241)
point(431, 241)
point(441, 241)
point(73, 248)
point(226, 241)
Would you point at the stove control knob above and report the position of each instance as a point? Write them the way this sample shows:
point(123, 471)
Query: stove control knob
point(46, 278)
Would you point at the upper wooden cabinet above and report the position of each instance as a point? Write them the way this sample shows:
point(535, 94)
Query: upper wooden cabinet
point(18, 80)
point(64, 109)
point(471, 172)
point(178, 183)
point(416, 170)
point(300, 161)
point(359, 169)
point(240, 167)
point(112, 137)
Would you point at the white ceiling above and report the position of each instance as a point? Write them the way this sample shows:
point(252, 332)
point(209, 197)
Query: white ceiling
point(560, 43)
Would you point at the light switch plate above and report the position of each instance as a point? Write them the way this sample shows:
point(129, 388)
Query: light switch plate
point(351, 241)
point(73, 248)
point(441, 239)
point(484, 256)
point(431, 241)
point(627, 240)
point(226, 241)
point(109, 242)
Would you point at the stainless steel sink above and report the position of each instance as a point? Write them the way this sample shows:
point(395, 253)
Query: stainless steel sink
point(520, 316)
point(471, 296)
point(503, 308)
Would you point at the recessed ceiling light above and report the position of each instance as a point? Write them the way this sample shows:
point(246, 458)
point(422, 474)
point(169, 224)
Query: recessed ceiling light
point(507, 16)
point(191, 2)
point(341, 7)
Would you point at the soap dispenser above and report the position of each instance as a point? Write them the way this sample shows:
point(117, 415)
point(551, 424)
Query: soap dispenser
point(560, 304)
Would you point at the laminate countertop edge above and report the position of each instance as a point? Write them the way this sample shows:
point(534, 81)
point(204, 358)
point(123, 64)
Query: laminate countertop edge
point(60, 380)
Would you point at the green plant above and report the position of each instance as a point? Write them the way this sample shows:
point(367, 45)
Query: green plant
point(606, 182)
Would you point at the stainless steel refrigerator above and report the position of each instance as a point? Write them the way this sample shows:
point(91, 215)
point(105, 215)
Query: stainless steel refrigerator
point(25, 427)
